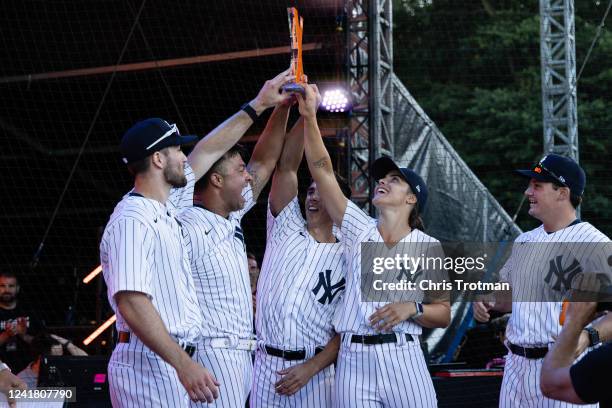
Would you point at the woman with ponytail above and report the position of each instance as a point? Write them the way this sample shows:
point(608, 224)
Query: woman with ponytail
point(380, 363)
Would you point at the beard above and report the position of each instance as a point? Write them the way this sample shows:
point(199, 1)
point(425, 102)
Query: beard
point(7, 298)
point(175, 177)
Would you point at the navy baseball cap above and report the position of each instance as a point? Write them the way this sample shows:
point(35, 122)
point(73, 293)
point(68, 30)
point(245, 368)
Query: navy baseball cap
point(149, 136)
point(562, 170)
point(383, 165)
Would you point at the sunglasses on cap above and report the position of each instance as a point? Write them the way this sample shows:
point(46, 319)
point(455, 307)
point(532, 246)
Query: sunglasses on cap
point(540, 167)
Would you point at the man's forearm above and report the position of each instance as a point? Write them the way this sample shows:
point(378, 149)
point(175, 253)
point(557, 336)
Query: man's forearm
point(268, 149)
point(293, 149)
point(210, 149)
point(319, 161)
point(146, 324)
point(562, 352)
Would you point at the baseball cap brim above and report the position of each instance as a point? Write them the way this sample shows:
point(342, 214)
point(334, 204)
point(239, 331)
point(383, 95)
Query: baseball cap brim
point(382, 166)
point(178, 140)
point(536, 176)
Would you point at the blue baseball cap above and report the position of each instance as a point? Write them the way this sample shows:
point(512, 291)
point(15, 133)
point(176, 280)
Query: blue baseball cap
point(562, 170)
point(383, 165)
point(149, 136)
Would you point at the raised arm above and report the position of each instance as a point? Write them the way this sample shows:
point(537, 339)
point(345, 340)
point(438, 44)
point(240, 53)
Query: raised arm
point(285, 179)
point(268, 148)
point(227, 134)
point(319, 162)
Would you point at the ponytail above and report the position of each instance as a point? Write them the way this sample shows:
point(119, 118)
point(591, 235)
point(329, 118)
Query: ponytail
point(414, 219)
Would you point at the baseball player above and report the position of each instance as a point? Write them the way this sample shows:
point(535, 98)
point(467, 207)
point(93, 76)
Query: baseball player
point(380, 363)
point(300, 286)
point(556, 186)
point(217, 253)
point(146, 266)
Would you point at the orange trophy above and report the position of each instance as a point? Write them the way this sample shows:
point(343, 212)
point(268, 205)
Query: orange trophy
point(296, 25)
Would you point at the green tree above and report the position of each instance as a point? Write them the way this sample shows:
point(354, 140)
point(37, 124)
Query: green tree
point(474, 67)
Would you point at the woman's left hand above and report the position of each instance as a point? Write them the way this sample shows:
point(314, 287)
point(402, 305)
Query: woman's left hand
point(387, 317)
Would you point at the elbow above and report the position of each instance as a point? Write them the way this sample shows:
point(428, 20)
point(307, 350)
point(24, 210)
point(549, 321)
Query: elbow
point(556, 383)
point(547, 386)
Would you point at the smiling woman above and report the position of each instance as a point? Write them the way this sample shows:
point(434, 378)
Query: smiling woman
point(390, 329)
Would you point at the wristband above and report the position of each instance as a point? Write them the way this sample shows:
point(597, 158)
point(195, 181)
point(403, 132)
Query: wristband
point(419, 309)
point(593, 336)
point(250, 111)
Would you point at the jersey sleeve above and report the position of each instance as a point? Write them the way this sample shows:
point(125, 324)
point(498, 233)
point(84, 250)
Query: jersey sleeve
point(590, 375)
point(128, 265)
point(249, 202)
point(507, 267)
point(182, 197)
point(290, 219)
point(354, 222)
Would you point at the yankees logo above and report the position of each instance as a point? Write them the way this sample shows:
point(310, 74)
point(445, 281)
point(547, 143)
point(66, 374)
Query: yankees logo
point(563, 276)
point(406, 274)
point(329, 291)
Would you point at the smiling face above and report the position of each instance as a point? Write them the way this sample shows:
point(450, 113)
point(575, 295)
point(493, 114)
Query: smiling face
point(544, 199)
point(235, 179)
point(393, 190)
point(313, 206)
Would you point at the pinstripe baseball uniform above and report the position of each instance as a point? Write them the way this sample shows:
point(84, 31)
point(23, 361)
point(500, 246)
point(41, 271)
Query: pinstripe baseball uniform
point(142, 250)
point(535, 324)
point(383, 375)
point(220, 271)
point(299, 289)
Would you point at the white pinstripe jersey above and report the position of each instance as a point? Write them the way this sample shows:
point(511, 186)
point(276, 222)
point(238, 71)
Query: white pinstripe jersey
point(220, 270)
point(537, 323)
point(358, 227)
point(300, 284)
point(142, 250)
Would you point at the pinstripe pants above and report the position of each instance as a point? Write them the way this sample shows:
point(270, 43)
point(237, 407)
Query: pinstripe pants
point(521, 386)
point(383, 375)
point(316, 393)
point(233, 369)
point(140, 378)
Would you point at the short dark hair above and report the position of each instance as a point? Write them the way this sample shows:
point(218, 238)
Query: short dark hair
point(234, 151)
point(251, 255)
point(575, 200)
point(8, 274)
point(140, 166)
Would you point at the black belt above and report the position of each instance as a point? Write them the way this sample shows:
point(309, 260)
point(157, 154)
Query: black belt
point(124, 337)
point(290, 355)
point(378, 338)
point(532, 353)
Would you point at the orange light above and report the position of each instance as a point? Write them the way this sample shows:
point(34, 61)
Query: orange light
point(92, 274)
point(538, 169)
point(99, 330)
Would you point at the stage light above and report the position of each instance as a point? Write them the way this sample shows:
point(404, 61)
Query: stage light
point(335, 100)
point(92, 274)
point(99, 330)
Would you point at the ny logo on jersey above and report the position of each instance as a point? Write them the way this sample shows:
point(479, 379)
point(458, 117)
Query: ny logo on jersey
point(563, 277)
point(406, 274)
point(329, 291)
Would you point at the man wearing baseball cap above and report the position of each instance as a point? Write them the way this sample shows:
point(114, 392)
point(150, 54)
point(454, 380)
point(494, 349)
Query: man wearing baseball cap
point(146, 265)
point(555, 190)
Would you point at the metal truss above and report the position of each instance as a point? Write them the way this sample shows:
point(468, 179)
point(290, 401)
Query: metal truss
point(558, 57)
point(370, 75)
